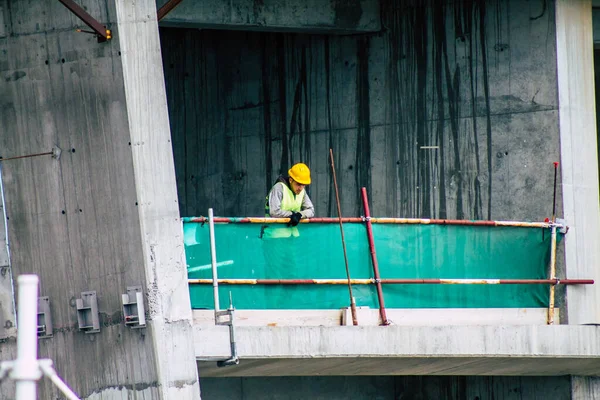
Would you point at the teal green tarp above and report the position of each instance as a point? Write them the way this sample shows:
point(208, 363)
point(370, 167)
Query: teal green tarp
point(403, 251)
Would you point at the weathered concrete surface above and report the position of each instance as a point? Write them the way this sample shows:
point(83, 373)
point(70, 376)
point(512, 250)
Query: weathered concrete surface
point(75, 222)
point(156, 195)
point(308, 16)
point(371, 317)
point(388, 388)
point(579, 155)
point(585, 387)
point(397, 350)
point(478, 81)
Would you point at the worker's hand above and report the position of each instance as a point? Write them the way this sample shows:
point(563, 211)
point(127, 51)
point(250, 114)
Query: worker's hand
point(295, 219)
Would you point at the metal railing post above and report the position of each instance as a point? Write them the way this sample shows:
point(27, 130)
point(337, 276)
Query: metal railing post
point(213, 259)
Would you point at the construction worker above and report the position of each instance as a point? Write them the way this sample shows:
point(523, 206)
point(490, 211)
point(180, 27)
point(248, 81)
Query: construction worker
point(288, 197)
point(283, 253)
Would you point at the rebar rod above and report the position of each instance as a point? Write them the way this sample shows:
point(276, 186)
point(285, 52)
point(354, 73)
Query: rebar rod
point(48, 153)
point(552, 275)
point(339, 208)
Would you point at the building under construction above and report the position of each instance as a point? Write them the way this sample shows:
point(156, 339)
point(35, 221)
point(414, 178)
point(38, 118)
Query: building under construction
point(453, 151)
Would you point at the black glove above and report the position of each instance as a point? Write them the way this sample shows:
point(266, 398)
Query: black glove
point(295, 219)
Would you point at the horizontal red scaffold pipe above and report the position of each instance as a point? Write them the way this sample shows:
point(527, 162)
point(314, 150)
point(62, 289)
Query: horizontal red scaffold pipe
point(421, 221)
point(394, 281)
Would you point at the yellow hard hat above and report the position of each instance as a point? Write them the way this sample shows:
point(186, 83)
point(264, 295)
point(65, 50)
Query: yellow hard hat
point(300, 173)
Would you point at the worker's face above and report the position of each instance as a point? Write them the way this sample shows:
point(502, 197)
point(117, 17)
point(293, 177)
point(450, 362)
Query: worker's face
point(296, 187)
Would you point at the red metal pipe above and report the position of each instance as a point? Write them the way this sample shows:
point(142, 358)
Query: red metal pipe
point(48, 153)
point(384, 320)
point(489, 281)
point(166, 8)
point(260, 220)
point(369, 281)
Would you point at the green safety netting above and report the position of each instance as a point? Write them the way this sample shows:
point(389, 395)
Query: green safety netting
point(403, 251)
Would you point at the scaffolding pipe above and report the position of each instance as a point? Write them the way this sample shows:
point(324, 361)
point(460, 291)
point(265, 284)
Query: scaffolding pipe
point(370, 281)
point(553, 252)
point(382, 313)
point(213, 259)
point(552, 275)
point(339, 208)
point(400, 221)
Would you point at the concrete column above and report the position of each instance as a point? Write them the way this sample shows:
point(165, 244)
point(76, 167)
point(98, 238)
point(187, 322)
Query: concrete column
point(585, 388)
point(579, 158)
point(7, 309)
point(161, 229)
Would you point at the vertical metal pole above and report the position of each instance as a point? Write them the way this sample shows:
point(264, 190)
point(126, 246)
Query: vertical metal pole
point(382, 313)
point(552, 275)
point(232, 344)
point(26, 371)
point(553, 252)
point(339, 208)
point(213, 255)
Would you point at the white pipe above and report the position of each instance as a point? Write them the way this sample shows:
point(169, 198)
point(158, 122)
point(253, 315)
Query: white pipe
point(213, 255)
point(26, 371)
point(48, 369)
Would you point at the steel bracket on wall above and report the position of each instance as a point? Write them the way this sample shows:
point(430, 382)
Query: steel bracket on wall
point(133, 307)
point(44, 318)
point(99, 30)
point(87, 312)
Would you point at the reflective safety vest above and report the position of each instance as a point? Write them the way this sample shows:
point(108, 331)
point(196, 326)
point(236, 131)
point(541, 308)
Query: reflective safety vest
point(290, 202)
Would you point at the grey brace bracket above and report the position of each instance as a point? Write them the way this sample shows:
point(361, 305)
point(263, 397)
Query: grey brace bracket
point(87, 312)
point(227, 318)
point(44, 318)
point(564, 229)
point(134, 312)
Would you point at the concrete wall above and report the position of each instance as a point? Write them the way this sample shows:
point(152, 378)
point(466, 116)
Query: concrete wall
point(388, 388)
point(331, 16)
point(83, 223)
point(477, 81)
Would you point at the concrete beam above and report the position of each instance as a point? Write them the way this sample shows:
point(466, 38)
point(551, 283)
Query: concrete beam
point(308, 16)
point(578, 148)
point(468, 350)
point(370, 317)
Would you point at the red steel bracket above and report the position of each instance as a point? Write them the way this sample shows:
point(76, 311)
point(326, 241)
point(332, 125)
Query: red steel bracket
point(99, 30)
point(166, 8)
